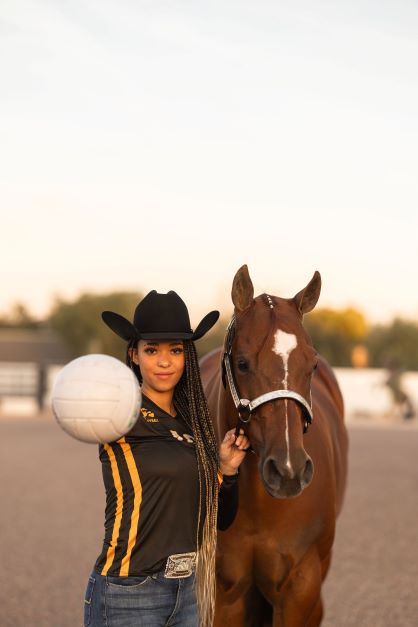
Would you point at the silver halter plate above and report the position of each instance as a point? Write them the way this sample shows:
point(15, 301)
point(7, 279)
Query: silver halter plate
point(243, 405)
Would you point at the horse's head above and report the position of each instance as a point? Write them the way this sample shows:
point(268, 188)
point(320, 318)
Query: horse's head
point(271, 351)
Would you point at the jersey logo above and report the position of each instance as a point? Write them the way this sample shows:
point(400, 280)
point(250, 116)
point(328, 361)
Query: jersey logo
point(148, 415)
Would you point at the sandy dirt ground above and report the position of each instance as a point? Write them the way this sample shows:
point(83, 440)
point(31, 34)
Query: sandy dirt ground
point(52, 505)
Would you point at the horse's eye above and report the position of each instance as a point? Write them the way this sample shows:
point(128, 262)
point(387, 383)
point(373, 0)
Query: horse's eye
point(242, 365)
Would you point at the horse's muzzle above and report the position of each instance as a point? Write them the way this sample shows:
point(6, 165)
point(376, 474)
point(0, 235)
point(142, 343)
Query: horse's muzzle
point(284, 480)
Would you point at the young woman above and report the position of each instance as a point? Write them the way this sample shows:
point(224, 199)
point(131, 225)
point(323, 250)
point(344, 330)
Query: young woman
point(168, 485)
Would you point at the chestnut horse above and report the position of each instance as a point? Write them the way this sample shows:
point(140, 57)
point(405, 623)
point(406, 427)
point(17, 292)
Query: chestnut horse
point(271, 562)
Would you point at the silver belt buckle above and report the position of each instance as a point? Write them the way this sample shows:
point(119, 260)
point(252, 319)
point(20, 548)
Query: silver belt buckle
point(180, 565)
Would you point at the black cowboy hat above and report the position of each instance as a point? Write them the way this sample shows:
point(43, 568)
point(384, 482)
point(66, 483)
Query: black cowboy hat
point(159, 316)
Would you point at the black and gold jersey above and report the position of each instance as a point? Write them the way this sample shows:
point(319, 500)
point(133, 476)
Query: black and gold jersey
point(152, 495)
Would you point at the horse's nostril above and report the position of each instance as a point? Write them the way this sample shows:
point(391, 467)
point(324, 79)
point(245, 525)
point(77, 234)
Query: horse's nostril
point(308, 471)
point(271, 472)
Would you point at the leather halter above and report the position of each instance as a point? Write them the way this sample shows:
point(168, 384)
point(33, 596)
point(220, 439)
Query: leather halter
point(244, 406)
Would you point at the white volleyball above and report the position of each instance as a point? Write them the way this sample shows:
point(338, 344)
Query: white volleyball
point(96, 398)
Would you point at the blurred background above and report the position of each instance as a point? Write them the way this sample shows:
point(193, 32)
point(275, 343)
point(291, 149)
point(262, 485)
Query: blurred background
point(161, 145)
point(376, 363)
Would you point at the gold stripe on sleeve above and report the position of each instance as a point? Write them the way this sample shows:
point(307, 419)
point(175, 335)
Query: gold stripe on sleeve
point(136, 482)
point(119, 508)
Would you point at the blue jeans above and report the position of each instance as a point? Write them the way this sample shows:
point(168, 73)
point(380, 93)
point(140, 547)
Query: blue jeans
point(152, 601)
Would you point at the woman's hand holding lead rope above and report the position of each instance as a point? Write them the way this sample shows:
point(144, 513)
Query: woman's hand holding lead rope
point(232, 451)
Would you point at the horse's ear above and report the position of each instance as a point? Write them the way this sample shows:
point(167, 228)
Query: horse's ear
point(242, 289)
point(307, 298)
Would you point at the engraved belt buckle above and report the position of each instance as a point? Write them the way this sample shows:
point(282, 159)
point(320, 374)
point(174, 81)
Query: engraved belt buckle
point(180, 565)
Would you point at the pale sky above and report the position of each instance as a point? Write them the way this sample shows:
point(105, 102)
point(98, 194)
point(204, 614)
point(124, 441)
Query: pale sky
point(161, 145)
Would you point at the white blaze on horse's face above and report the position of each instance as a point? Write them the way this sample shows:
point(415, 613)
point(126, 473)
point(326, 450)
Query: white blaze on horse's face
point(284, 344)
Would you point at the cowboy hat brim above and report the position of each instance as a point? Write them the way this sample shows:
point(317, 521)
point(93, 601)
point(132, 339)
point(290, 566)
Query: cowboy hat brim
point(205, 324)
point(126, 330)
point(119, 325)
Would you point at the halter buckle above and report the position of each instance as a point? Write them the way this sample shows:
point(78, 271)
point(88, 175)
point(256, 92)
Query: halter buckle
point(244, 409)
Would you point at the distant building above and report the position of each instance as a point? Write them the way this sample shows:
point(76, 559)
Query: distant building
point(39, 347)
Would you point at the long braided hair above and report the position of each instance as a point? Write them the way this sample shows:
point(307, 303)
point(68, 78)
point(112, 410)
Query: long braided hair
point(190, 402)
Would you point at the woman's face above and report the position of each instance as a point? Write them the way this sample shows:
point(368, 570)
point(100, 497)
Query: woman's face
point(161, 363)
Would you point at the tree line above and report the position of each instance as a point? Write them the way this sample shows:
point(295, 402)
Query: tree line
point(343, 336)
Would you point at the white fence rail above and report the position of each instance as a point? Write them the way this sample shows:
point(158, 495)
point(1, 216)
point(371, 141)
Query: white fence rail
point(366, 394)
